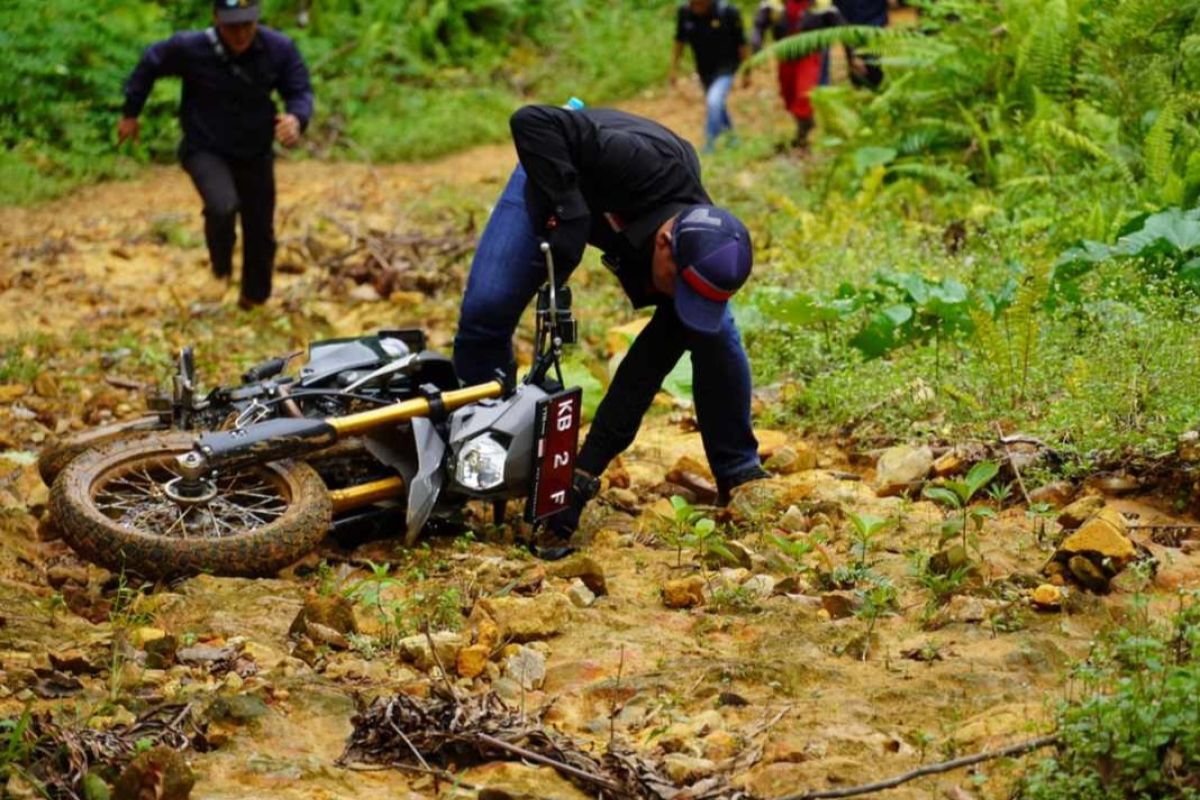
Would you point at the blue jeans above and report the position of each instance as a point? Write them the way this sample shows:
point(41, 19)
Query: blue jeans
point(505, 275)
point(716, 119)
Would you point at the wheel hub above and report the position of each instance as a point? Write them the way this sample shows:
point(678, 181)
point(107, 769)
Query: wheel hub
point(190, 492)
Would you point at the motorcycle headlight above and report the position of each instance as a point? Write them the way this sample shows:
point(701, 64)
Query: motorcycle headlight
point(480, 464)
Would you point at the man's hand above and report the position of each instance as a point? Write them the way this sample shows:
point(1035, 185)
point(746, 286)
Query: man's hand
point(287, 130)
point(128, 128)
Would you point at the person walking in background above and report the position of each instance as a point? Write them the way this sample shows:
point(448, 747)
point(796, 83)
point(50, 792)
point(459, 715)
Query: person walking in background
point(865, 71)
point(229, 121)
point(714, 31)
point(797, 76)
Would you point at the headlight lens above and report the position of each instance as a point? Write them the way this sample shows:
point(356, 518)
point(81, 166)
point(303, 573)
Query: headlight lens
point(480, 464)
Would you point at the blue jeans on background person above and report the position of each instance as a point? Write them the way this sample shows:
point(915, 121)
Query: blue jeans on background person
point(716, 119)
point(505, 275)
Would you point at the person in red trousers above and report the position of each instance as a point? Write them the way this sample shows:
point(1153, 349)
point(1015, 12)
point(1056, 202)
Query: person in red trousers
point(797, 76)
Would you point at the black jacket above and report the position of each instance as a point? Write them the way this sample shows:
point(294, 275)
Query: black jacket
point(226, 107)
point(606, 178)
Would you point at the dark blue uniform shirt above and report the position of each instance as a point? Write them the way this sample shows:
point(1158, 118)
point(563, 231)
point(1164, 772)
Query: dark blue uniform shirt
point(716, 39)
point(226, 106)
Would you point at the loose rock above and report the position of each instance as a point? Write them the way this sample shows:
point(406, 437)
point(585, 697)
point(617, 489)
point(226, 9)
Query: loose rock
point(902, 469)
point(336, 613)
point(527, 667)
point(1047, 597)
point(584, 567)
point(522, 619)
point(1080, 511)
point(580, 595)
point(684, 592)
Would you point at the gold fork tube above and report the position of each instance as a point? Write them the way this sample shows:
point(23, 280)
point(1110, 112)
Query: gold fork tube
point(364, 494)
point(407, 409)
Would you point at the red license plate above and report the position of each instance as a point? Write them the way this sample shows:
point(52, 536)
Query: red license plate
point(556, 438)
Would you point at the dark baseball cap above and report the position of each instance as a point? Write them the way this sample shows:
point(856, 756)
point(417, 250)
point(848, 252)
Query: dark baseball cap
point(232, 12)
point(713, 253)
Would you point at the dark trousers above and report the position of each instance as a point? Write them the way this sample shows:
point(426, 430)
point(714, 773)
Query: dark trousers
point(230, 187)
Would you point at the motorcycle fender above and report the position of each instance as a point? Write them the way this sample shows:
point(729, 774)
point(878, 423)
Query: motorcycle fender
point(426, 486)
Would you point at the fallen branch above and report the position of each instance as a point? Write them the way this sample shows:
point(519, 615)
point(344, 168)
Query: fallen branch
point(930, 769)
point(1012, 462)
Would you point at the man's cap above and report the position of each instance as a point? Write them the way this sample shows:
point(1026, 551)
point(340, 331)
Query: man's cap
point(232, 12)
point(713, 253)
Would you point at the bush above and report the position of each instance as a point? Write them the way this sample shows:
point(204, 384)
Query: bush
point(1137, 734)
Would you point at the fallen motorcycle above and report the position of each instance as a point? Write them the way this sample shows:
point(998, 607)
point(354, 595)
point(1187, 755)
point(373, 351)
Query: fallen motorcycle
point(340, 376)
point(247, 500)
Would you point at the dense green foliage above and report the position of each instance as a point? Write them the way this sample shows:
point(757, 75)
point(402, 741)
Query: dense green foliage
point(1135, 735)
point(997, 235)
point(393, 80)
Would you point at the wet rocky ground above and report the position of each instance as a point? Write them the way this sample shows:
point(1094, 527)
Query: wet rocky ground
point(825, 631)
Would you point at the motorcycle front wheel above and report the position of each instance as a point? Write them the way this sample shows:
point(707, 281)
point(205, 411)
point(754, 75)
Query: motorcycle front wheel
point(116, 505)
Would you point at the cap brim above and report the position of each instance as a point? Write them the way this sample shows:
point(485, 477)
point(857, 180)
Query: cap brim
point(697, 313)
point(235, 16)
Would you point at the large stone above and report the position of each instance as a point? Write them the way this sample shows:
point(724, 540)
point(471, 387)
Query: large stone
point(761, 586)
point(527, 667)
point(966, 610)
point(1080, 511)
point(902, 469)
point(334, 612)
point(472, 661)
point(161, 773)
point(584, 567)
point(1103, 539)
point(1056, 494)
point(525, 619)
point(1047, 598)
point(695, 478)
point(684, 770)
point(139, 637)
point(792, 458)
point(769, 441)
point(950, 463)
point(580, 595)
point(416, 650)
point(684, 592)
point(839, 605)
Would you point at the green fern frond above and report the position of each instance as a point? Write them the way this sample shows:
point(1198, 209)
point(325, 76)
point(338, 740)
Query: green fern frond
point(803, 44)
point(1159, 148)
point(933, 173)
point(1062, 135)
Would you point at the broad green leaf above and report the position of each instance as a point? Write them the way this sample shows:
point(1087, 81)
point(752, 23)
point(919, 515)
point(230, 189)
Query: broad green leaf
point(940, 494)
point(898, 314)
point(1178, 230)
point(705, 526)
point(980, 475)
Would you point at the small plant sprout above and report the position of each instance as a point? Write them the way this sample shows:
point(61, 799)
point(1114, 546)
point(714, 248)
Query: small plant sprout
point(690, 528)
point(866, 529)
point(956, 496)
point(792, 553)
